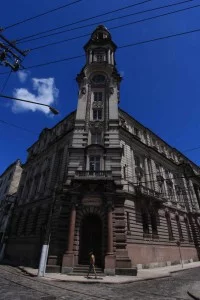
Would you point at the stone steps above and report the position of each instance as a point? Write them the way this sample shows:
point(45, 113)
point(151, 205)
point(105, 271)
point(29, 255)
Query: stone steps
point(82, 270)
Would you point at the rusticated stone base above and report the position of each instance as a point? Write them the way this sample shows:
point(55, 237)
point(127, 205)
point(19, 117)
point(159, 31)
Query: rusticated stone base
point(110, 264)
point(126, 271)
point(67, 263)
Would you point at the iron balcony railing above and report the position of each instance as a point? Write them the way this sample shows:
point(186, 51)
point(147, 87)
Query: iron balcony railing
point(143, 190)
point(94, 173)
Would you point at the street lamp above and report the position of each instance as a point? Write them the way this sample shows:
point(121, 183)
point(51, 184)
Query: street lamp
point(52, 109)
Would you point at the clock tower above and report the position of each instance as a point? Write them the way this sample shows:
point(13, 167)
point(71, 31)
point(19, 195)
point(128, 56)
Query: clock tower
point(94, 166)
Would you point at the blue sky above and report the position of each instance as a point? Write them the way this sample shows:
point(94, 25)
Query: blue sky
point(160, 86)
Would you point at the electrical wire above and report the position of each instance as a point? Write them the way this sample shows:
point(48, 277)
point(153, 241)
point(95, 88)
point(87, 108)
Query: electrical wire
point(86, 19)
point(118, 26)
point(191, 149)
point(16, 126)
point(42, 14)
point(6, 81)
point(88, 34)
point(120, 47)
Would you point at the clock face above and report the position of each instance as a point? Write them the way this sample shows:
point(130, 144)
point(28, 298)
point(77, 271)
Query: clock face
point(98, 78)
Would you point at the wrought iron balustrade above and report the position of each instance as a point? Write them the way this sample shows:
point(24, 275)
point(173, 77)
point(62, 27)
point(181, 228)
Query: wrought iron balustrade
point(145, 191)
point(93, 173)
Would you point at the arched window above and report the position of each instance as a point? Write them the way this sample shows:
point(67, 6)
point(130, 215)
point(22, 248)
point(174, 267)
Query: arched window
point(169, 226)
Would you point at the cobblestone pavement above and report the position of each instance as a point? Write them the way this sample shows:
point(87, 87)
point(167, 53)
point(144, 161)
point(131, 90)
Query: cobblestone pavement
point(14, 284)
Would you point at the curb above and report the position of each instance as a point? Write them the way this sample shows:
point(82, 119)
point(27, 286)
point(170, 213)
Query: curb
point(193, 296)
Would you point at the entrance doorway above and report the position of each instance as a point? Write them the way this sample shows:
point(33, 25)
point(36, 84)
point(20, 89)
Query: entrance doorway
point(90, 239)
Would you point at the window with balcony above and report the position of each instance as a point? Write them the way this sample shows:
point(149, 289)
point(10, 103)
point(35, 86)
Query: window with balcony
point(98, 96)
point(97, 114)
point(94, 164)
point(96, 138)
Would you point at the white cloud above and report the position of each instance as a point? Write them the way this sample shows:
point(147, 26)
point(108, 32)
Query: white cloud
point(22, 75)
point(45, 92)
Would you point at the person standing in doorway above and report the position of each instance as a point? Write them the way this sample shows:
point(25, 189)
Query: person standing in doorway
point(92, 264)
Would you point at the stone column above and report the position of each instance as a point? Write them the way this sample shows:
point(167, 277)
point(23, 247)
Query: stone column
point(110, 231)
point(187, 199)
point(72, 229)
point(110, 259)
point(146, 171)
point(153, 168)
point(108, 54)
point(193, 196)
point(68, 258)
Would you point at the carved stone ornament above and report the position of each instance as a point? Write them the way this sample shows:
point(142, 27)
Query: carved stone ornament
point(96, 125)
point(83, 91)
point(97, 104)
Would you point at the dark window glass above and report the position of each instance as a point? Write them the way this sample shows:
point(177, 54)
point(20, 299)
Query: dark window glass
point(169, 226)
point(145, 222)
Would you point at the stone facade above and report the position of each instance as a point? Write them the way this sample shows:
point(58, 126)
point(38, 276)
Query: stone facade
point(99, 180)
point(9, 181)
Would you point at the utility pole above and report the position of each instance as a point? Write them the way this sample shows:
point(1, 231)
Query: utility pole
point(10, 55)
point(47, 238)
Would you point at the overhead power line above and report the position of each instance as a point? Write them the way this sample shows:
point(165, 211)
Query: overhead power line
point(191, 149)
point(42, 14)
point(120, 47)
point(116, 27)
point(19, 127)
point(85, 19)
point(119, 26)
point(6, 81)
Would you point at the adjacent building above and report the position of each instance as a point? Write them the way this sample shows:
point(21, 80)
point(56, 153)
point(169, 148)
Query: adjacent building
point(9, 182)
point(99, 180)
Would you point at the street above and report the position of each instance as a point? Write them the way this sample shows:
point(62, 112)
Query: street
point(14, 284)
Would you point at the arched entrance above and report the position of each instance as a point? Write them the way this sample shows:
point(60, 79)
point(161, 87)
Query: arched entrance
point(90, 239)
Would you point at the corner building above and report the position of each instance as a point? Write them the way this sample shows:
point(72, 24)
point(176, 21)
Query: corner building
point(115, 187)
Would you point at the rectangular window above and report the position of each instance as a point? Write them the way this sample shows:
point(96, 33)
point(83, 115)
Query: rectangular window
point(98, 96)
point(157, 168)
point(145, 223)
point(169, 226)
point(137, 161)
point(96, 138)
point(97, 114)
point(94, 163)
point(100, 57)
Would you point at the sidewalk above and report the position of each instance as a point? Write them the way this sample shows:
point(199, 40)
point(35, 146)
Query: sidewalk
point(143, 274)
